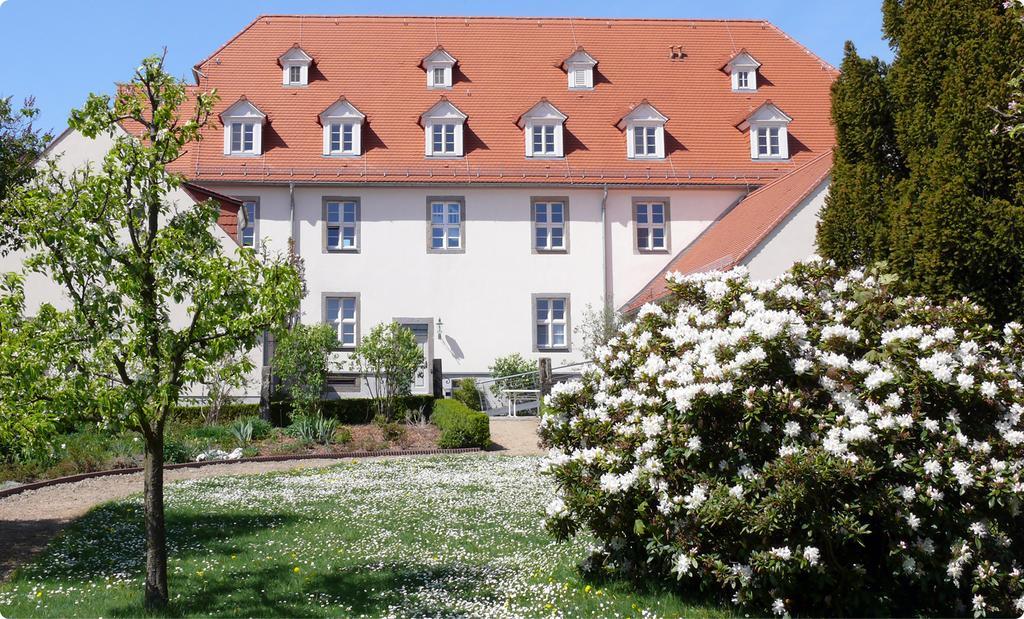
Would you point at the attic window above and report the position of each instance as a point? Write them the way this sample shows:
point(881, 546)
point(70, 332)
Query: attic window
point(542, 126)
point(769, 132)
point(439, 66)
point(295, 66)
point(243, 129)
point(580, 69)
point(443, 129)
point(645, 132)
point(743, 71)
point(343, 130)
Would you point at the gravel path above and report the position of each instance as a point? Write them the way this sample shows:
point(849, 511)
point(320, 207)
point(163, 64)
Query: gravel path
point(28, 521)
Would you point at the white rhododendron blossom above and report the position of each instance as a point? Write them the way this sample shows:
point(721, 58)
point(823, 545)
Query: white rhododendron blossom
point(820, 444)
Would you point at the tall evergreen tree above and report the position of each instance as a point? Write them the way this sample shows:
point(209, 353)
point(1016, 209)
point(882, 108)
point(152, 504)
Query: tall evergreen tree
point(944, 205)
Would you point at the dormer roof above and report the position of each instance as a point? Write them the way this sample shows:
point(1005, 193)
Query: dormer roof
point(740, 60)
point(341, 109)
point(579, 57)
point(243, 109)
point(542, 110)
point(294, 55)
point(641, 112)
point(767, 112)
point(439, 56)
point(442, 110)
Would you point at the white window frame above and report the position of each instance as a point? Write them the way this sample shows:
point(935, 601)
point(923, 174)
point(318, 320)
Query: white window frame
point(342, 114)
point(543, 208)
point(241, 128)
point(633, 129)
point(335, 306)
point(646, 228)
point(341, 216)
point(440, 213)
point(780, 141)
point(551, 135)
point(545, 321)
point(243, 114)
point(455, 141)
point(252, 215)
point(336, 139)
point(294, 75)
point(747, 74)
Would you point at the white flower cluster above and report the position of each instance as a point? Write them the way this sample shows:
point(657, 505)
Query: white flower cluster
point(822, 399)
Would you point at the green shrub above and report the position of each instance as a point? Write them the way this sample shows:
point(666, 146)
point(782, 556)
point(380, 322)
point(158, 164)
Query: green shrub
point(180, 449)
point(351, 411)
point(212, 434)
point(302, 358)
point(261, 428)
point(228, 412)
point(466, 392)
point(313, 429)
point(242, 431)
point(343, 436)
point(460, 426)
point(816, 445)
point(392, 431)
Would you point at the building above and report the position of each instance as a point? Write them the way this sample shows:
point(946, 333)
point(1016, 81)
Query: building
point(485, 181)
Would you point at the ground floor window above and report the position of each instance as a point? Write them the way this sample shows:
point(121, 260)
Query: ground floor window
point(342, 313)
point(551, 318)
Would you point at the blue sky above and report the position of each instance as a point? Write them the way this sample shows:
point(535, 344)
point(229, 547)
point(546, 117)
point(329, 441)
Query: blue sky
point(61, 50)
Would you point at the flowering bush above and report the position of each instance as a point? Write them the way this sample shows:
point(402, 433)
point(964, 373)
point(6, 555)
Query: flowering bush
point(817, 444)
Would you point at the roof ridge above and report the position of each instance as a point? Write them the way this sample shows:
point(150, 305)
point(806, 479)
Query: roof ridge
point(514, 18)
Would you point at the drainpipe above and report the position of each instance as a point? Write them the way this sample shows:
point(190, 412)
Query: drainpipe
point(291, 217)
point(604, 246)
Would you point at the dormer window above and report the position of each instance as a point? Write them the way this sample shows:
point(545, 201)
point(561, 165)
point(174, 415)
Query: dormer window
point(439, 66)
point(443, 128)
point(743, 71)
point(542, 126)
point(580, 69)
point(645, 132)
point(243, 129)
point(343, 129)
point(295, 64)
point(769, 132)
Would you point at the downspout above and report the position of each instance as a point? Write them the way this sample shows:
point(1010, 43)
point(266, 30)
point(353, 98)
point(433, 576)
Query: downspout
point(291, 218)
point(604, 248)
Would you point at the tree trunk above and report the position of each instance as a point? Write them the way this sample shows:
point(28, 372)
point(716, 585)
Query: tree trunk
point(156, 531)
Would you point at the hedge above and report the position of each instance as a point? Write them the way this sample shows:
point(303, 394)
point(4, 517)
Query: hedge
point(345, 410)
point(460, 426)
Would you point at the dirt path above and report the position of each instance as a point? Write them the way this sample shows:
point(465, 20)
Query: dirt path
point(28, 521)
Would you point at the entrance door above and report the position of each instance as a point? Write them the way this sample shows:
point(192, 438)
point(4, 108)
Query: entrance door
point(423, 329)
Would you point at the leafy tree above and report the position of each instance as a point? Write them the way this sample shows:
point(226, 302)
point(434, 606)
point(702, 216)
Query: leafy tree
point(512, 372)
point(944, 205)
point(20, 145)
point(389, 357)
point(155, 301)
point(467, 392)
point(596, 328)
point(301, 361)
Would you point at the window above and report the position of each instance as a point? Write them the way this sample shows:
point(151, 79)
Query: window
point(544, 140)
point(341, 313)
point(651, 226)
point(342, 142)
point(551, 322)
point(645, 141)
point(743, 80)
point(242, 138)
point(439, 66)
point(446, 225)
point(444, 139)
point(579, 78)
point(768, 144)
point(295, 64)
point(439, 77)
point(341, 382)
point(247, 233)
point(341, 224)
point(294, 74)
point(549, 218)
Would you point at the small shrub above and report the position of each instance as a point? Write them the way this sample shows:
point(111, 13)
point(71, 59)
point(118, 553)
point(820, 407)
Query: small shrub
point(261, 428)
point(391, 431)
point(343, 436)
point(389, 357)
point(460, 426)
point(302, 360)
point(227, 412)
point(512, 372)
point(467, 392)
point(313, 429)
point(242, 431)
point(815, 445)
point(179, 449)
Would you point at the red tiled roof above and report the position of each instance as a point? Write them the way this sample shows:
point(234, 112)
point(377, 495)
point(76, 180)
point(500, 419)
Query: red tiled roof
point(228, 217)
point(504, 66)
point(731, 239)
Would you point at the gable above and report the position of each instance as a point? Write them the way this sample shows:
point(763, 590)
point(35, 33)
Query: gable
point(443, 110)
point(542, 111)
point(343, 110)
point(243, 109)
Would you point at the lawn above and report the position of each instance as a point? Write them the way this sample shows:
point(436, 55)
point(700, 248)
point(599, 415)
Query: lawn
point(408, 537)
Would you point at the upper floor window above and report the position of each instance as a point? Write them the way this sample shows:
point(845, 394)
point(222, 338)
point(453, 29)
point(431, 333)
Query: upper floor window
point(446, 225)
point(295, 64)
point(247, 225)
point(580, 69)
point(443, 125)
point(343, 128)
point(742, 69)
point(650, 218)
point(543, 127)
point(341, 224)
point(645, 132)
point(440, 66)
point(342, 312)
point(549, 222)
point(769, 132)
point(243, 128)
point(551, 315)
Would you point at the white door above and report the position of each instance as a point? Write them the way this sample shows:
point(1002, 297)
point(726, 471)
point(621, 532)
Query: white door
point(421, 328)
